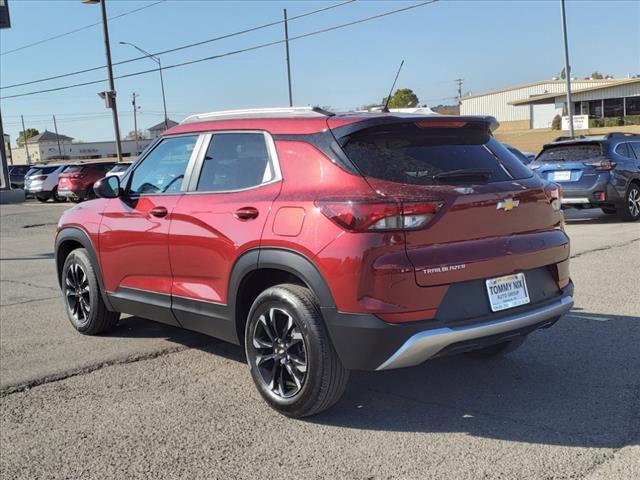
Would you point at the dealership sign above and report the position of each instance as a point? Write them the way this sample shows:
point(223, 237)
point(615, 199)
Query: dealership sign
point(580, 122)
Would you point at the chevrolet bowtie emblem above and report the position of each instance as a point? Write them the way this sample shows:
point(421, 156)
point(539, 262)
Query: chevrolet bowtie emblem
point(507, 204)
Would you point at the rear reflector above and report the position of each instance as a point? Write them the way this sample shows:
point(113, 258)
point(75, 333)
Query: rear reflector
point(440, 123)
point(367, 215)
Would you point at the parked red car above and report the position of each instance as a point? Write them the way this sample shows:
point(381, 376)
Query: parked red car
point(323, 243)
point(76, 183)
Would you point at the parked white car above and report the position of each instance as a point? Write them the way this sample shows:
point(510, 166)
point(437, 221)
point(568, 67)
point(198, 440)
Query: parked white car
point(119, 170)
point(42, 182)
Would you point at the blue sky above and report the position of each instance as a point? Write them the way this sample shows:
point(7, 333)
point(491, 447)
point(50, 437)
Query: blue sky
point(491, 44)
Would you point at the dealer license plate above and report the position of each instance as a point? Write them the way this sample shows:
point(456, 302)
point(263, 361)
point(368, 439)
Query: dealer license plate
point(562, 176)
point(507, 292)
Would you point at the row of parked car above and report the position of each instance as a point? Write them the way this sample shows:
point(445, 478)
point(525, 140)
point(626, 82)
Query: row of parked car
point(61, 182)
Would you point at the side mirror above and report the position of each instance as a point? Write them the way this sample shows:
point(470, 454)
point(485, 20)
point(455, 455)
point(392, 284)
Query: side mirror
point(107, 187)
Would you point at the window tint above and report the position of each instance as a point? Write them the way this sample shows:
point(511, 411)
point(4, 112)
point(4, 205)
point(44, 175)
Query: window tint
point(235, 161)
point(570, 153)
point(73, 169)
point(635, 146)
point(162, 171)
point(406, 153)
point(121, 167)
point(621, 149)
point(47, 170)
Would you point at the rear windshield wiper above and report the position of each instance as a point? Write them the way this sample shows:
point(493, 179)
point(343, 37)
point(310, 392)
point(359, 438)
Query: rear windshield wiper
point(464, 175)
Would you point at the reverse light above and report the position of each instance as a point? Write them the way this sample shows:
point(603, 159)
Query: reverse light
point(367, 215)
point(553, 192)
point(601, 165)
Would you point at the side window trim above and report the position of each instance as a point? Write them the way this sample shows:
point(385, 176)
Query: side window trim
point(187, 172)
point(199, 163)
point(622, 149)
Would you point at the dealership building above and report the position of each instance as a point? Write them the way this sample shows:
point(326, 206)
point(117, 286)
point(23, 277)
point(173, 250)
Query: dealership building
point(534, 105)
point(49, 146)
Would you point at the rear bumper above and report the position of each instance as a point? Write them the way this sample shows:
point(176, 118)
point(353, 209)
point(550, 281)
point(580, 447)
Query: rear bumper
point(69, 193)
point(364, 342)
point(575, 196)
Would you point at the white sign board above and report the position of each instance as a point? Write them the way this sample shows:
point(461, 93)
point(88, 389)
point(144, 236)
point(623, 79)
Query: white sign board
point(580, 122)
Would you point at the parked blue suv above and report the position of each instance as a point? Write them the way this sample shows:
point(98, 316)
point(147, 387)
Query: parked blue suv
point(595, 171)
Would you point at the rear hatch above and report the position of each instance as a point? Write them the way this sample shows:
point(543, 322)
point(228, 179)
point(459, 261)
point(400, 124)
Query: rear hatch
point(69, 175)
point(492, 216)
point(574, 165)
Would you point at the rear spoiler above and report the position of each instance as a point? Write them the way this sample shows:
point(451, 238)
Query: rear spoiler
point(341, 130)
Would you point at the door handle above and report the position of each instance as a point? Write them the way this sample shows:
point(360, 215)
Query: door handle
point(159, 212)
point(246, 213)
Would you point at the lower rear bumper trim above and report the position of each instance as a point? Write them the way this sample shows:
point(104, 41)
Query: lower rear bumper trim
point(427, 344)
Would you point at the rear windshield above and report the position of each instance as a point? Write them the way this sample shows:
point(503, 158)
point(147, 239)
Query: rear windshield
point(570, 153)
point(43, 170)
point(407, 153)
point(120, 168)
point(73, 169)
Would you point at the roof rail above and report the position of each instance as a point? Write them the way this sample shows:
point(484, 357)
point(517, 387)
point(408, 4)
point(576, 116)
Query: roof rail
point(278, 112)
point(621, 134)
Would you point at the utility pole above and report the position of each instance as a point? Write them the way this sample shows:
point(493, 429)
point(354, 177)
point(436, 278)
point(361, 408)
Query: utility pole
point(24, 139)
point(286, 42)
point(55, 127)
point(459, 82)
point(134, 95)
point(109, 96)
point(567, 69)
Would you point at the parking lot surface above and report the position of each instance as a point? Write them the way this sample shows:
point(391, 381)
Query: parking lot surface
point(152, 401)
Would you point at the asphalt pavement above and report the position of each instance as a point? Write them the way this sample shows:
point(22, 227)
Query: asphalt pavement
point(153, 401)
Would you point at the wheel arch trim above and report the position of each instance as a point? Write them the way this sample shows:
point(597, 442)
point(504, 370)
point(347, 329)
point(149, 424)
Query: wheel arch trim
point(78, 235)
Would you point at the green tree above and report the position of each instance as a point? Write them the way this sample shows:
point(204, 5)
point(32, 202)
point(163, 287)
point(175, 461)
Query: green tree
point(402, 98)
point(597, 75)
point(30, 132)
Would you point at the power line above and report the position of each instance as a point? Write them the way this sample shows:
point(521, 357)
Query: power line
point(227, 54)
point(182, 47)
point(39, 42)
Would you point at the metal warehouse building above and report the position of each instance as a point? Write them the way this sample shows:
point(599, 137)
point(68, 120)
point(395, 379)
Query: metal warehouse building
point(535, 104)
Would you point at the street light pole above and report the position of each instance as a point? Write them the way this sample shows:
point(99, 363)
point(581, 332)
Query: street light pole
point(157, 60)
point(567, 69)
point(110, 96)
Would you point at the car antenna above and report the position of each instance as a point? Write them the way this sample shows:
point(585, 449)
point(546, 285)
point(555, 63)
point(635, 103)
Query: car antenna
point(386, 104)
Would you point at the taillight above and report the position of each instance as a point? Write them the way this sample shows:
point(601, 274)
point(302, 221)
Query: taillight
point(553, 191)
point(601, 165)
point(371, 215)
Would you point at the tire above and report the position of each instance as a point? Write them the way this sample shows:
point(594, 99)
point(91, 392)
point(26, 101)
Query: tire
point(629, 211)
point(302, 375)
point(57, 198)
point(42, 197)
point(609, 211)
point(82, 297)
point(497, 349)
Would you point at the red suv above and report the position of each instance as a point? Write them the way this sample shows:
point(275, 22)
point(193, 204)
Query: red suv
point(323, 243)
point(76, 182)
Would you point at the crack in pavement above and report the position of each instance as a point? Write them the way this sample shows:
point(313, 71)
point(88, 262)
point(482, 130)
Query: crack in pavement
point(57, 377)
point(602, 249)
point(29, 301)
point(28, 284)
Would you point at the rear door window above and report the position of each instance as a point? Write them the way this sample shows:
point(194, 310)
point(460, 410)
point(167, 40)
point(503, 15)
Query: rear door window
point(570, 153)
point(236, 161)
point(623, 150)
point(412, 154)
point(635, 146)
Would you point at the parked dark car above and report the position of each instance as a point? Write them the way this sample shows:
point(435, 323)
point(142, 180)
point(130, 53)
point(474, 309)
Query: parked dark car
point(76, 182)
point(595, 171)
point(17, 174)
point(323, 243)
